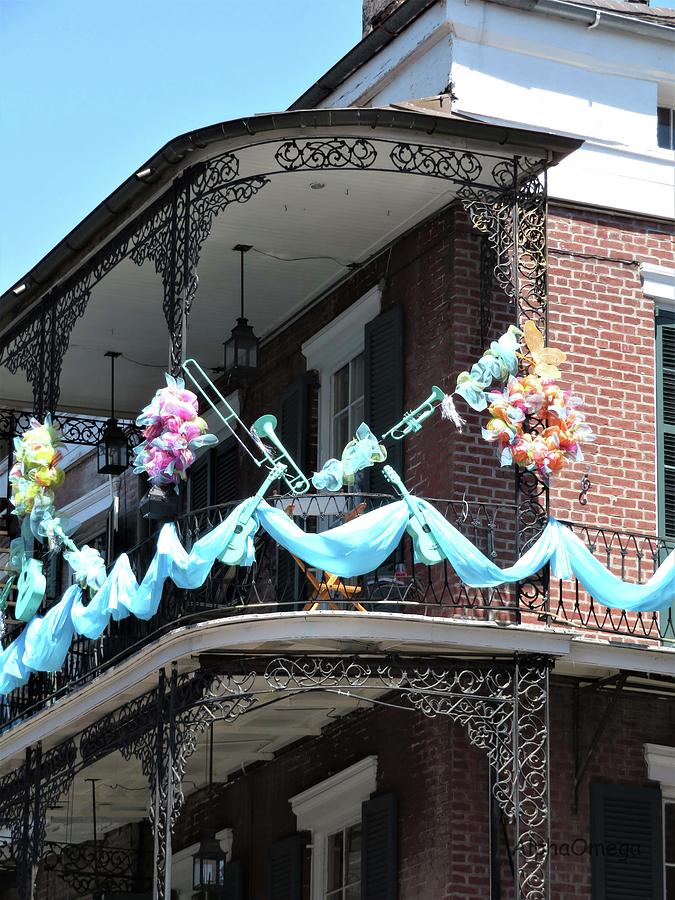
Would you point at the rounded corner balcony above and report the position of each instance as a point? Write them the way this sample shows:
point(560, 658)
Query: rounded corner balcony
point(322, 200)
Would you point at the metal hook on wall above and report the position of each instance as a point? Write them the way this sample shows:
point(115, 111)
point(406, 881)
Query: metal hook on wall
point(585, 485)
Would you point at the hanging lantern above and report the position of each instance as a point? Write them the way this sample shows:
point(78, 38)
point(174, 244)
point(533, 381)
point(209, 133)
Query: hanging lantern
point(113, 447)
point(208, 863)
point(241, 348)
point(208, 867)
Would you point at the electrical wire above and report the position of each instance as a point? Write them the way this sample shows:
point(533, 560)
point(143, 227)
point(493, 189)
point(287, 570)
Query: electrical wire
point(346, 265)
point(145, 365)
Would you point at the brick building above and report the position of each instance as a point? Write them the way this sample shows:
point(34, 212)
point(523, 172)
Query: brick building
point(399, 734)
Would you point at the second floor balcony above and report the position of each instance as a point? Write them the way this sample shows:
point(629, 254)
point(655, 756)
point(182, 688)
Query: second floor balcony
point(280, 585)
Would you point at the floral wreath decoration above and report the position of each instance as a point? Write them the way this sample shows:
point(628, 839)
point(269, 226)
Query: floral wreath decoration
point(34, 477)
point(534, 392)
point(173, 430)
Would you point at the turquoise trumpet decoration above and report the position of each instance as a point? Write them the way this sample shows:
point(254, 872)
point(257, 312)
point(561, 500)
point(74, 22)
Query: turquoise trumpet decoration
point(412, 421)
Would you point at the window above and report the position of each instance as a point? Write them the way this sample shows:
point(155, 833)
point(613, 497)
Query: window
point(661, 768)
point(665, 376)
point(669, 847)
point(332, 811)
point(337, 353)
point(346, 404)
point(665, 127)
point(343, 864)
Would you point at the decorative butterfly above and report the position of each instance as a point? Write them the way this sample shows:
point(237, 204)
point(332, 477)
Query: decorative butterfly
point(544, 360)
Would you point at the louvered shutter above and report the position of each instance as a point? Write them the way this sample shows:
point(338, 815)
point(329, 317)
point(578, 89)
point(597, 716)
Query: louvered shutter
point(379, 849)
point(233, 884)
point(383, 385)
point(666, 421)
point(293, 434)
point(199, 484)
point(626, 843)
point(226, 474)
point(285, 869)
point(52, 569)
point(293, 420)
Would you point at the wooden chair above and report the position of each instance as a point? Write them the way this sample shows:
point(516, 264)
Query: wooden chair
point(331, 588)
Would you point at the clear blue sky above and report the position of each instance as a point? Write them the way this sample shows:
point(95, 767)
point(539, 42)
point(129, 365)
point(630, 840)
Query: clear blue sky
point(89, 89)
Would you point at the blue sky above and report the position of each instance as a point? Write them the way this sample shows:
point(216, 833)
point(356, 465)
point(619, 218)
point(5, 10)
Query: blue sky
point(91, 88)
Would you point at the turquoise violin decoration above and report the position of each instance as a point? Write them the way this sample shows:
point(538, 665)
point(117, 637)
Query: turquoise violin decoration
point(5, 591)
point(426, 549)
point(31, 587)
point(237, 551)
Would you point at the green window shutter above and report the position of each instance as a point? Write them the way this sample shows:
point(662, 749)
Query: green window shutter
point(226, 473)
point(384, 367)
point(293, 420)
point(626, 843)
point(284, 872)
point(233, 884)
point(293, 423)
point(665, 376)
point(379, 848)
point(199, 483)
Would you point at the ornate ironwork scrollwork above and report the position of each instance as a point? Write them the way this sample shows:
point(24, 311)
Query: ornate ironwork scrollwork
point(80, 430)
point(416, 159)
point(90, 869)
point(327, 153)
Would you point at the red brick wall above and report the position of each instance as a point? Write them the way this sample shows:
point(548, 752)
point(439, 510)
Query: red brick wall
point(442, 787)
point(599, 315)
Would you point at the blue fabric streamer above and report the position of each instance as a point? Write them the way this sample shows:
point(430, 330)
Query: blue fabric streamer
point(349, 550)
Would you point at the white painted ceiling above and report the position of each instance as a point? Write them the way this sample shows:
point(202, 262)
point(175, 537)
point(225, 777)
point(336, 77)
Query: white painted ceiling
point(350, 218)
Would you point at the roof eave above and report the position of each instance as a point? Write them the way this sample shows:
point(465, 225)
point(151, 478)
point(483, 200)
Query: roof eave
point(135, 193)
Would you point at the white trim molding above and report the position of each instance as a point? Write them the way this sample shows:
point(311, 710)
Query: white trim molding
point(330, 806)
point(658, 282)
point(333, 347)
point(661, 767)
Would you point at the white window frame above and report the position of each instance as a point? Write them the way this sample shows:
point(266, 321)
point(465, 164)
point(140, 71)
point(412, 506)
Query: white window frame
point(661, 768)
point(330, 806)
point(332, 348)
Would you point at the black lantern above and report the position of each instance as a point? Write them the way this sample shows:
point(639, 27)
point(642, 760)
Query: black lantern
point(241, 349)
point(208, 867)
point(113, 447)
point(208, 863)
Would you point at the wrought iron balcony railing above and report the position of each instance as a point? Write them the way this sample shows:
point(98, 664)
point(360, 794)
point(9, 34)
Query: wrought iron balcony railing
point(278, 582)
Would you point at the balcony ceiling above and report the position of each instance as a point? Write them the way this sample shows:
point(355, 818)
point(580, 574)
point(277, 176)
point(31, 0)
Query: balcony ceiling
point(343, 213)
point(122, 794)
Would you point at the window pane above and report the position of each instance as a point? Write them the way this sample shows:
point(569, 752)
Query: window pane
point(357, 377)
point(341, 389)
point(353, 850)
point(354, 892)
point(334, 861)
point(664, 127)
point(669, 829)
point(356, 416)
point(341, 433)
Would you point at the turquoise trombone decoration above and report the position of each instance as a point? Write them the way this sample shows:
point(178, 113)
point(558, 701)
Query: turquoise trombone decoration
point(262, 429)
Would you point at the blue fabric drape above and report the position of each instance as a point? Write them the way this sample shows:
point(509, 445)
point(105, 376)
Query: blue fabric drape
point(349, 550)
